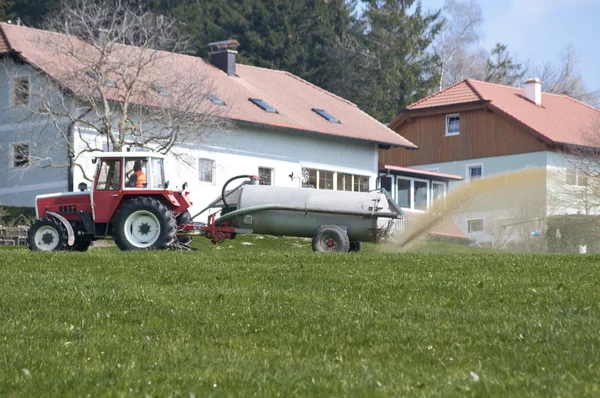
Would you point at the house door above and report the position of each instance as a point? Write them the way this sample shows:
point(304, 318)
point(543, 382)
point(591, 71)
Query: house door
point(108, 190)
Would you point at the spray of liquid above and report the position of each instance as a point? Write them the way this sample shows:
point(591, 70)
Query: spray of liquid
point(521, 191)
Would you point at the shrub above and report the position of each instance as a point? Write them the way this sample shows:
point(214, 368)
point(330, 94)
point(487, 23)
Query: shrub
point(567, 232)
point(16, 215)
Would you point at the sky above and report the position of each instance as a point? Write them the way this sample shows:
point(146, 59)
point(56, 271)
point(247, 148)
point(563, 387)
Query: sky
point(538, 30)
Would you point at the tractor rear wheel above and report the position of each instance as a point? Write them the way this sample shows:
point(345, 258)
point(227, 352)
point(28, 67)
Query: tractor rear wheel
point(47, 234)
point(181, 219)
point(144, 223)
point(330, 238)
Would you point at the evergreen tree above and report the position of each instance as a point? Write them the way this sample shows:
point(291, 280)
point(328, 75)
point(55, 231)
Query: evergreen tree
point(502, 68)
point(33, 12)
point(5, 15)
point(396, 37)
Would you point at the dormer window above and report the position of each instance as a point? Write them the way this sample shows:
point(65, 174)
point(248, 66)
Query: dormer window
point(263, 105)
point(453, 124)
point(326, 115)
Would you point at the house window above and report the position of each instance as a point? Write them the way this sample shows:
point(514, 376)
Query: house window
point(576, 176)
point(474, 171)
point(420, 189)
point(404, 193)
point(412, 193)
point(20, 91)
point(326, 115)
point(20, 155)
point(453, 124)
point(206, 170)
point(475, 225)
point(266, 176)
point(344, 182)
point(438, 191)
point(324, 179)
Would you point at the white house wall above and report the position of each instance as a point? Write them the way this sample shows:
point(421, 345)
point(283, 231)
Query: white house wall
point(247, 148)
point(492, 166)
point(19, 186)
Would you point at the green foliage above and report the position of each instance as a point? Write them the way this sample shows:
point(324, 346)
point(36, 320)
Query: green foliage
point(15, 215)
point(565, 233)
point(396, 36)
point(33, 12)
point(5, 6)
point(502, 68)
point(254, 322)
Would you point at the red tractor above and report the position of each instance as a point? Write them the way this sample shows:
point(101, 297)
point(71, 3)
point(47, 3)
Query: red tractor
point(129, 200)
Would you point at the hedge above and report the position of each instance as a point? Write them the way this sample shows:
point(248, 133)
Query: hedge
point(16, 215)
point(567, 232)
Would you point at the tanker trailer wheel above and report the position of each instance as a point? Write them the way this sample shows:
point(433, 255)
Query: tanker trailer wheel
point(330, 238)
point(355, 246)
point(47, 234)
point(144, 223)
point(181, 219)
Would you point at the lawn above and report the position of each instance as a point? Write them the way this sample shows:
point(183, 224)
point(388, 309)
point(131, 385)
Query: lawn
point(267, 317)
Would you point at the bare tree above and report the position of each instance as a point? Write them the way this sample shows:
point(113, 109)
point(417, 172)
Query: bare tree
point(565, 77)
point(461, 29)
point(116, 82)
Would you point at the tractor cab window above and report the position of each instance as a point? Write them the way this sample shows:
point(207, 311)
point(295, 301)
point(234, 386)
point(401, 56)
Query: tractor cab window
point(109, 176)
point(158, 174)
point(135, 172)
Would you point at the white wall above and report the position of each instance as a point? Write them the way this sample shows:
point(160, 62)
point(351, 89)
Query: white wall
point(19, 186)
point(494, 208)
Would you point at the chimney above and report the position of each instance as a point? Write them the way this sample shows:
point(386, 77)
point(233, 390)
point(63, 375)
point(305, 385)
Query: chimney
point(533, 90)
point(222, 55)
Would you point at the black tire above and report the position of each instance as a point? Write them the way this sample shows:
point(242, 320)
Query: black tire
point(81, 246)
point(181, 219)
point(144, 223)
point(47, 234)
point(355, 246)
point(330, 238)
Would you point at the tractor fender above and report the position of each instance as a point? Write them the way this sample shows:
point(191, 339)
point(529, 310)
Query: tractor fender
point(69, 228)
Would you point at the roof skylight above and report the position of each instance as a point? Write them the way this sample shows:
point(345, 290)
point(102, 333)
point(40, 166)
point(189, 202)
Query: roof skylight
point(161, 90)
point(215, 100)
point(263, 105)
point(326, 115)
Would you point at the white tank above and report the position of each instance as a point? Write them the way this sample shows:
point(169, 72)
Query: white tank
point(364, 215)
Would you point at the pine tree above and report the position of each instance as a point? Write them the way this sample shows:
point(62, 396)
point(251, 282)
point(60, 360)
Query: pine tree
point(5, 15)
point(396, 37)
point(502, 68)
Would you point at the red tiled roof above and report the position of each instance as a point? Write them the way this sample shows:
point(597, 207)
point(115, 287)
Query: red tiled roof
point(460, 93)
point(424, 173)
point(559, 119)
point(292, 96)
point(4, 44)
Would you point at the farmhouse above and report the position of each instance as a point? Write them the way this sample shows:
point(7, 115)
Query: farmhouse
point(283, 128)
point(475, 129)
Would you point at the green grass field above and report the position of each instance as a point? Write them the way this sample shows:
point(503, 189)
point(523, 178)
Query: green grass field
point(271, 318)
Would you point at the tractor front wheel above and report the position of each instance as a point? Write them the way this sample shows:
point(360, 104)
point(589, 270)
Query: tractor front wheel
point(330, 238)
point(47, 234)
point(144, 223)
